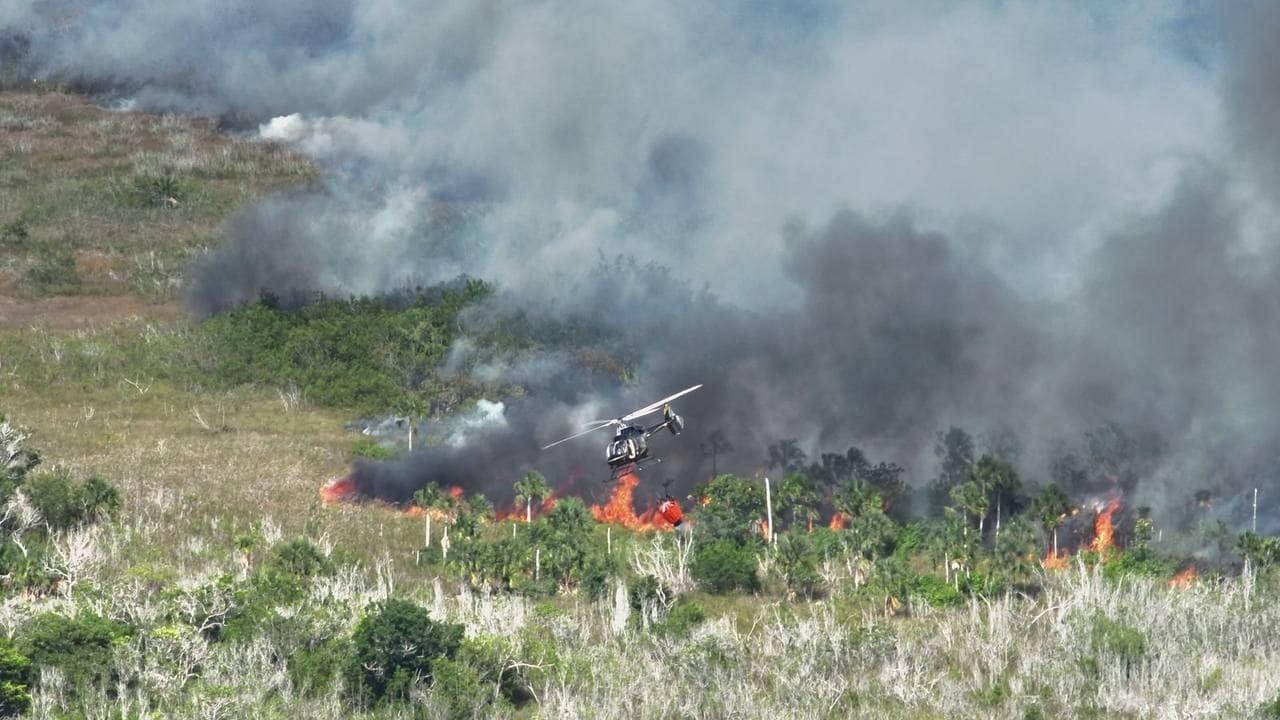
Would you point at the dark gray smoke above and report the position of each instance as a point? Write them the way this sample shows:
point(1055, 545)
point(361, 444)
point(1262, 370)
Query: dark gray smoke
point(857, 226)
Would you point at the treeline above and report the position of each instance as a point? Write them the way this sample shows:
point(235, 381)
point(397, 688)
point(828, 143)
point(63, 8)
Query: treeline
point(388, 353)
point(845, 523)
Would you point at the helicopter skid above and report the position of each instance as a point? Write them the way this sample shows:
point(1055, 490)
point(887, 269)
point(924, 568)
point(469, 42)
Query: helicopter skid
point(631, 467)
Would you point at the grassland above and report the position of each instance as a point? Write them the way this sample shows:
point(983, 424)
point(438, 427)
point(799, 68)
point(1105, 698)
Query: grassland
point(102, 213)
point(110, 204)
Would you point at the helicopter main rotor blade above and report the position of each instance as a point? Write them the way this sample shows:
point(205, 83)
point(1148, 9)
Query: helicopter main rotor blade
point(595, 425)
point(647, 409)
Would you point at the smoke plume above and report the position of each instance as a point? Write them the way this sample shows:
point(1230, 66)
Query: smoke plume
point(855, 225)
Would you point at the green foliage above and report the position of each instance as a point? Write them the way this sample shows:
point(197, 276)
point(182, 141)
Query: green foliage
point(493, 660)
point(456, 686)
point(433, 497)
point(1259, 550)
point(530, 489)
point(314, 669)
point(301, 557)
point(563, 539)
point(81, 647)
point(396, 644)
point(1271, 710)
point(1115, 640)
point(371, 449)
point(799, 562)
point(16, 677)
point(64, 503)
point(682, 618)
point(937, 592)
point(798, 496)
point(871, 533)
point(156, 190)
point(647, 591)
point(14, 234)
point(1050, 507)
point(722, 566)
point(733, 504)
point(367, 354)
point(1139, 560)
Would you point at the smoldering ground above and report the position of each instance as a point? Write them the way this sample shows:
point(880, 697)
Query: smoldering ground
point(856, 225)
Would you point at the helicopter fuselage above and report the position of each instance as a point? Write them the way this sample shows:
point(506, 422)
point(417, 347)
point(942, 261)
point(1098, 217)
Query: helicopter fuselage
point(630, 444)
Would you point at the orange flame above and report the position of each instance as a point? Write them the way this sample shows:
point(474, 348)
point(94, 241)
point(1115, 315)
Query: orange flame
point(837, 521)
point(512, 513)
point(1055, 562)
point(338, 490)
point(1185, 577)
point(1103, 529)
point(620, 508)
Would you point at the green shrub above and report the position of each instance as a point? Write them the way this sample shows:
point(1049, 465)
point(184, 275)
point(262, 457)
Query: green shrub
point(14, 234)
point(1271, 710)
point(372, 449)
point(681, 620)
point(733, 504)
point(368, 354)
point(64, 503)
point(396, 644)
point(457, 687)
point(489, 657)
point(646, 591)
point(16, 677)
point(81, 647)
point(938, 592)
point(1140, 561)
point(300, 557)
point(313, 669)
point(799, 562)
point(156, 190)
point(723, 566)
point(1114, 640)
point(598, 568)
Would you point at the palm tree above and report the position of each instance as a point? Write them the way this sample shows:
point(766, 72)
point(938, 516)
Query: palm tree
point(797, 494)
point(1051, 506)
point(532, 486)
point(714, 446)
point(786, 454)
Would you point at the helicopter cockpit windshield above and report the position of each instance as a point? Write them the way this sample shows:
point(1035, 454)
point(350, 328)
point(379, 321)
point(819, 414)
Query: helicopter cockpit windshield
point(627, 444)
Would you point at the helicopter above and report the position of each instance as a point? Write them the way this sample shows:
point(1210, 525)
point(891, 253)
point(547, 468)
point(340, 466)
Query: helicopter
point(630, 443)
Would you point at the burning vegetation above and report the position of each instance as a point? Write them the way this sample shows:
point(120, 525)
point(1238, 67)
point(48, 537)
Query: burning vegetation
point(619, 509)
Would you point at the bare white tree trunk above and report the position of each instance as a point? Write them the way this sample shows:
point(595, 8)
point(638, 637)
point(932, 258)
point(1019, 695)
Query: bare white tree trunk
point(768, 509)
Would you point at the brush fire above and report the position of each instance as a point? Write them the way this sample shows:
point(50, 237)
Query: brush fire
point(1102, 541)
point(619, 509)
point(1104, 528)
point(1185, 578)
